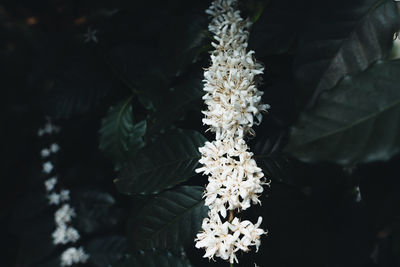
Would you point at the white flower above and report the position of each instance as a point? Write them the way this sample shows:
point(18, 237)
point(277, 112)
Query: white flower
point(47, 167)
point(59, 235)
point(64, 214)
point(235, 181)
point(54, 148)
point(73, 255)
point(233, 108)
point(231, 96)
point(250, 233)
point(90, 35)
point(65, 234)
point(54, 198)
point(358, 194)
point(40, 132)
point(50, 183)
point(216, 239)
point(49, 128)
point(225, 239)
point(45, 152)
point(64, 195)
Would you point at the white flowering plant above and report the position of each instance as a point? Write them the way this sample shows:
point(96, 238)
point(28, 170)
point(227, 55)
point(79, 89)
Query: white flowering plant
point(200, 133)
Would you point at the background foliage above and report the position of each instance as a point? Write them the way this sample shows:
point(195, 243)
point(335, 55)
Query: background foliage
point(129, 106)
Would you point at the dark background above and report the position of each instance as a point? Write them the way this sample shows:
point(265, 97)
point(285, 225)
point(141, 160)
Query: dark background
point(47, 69)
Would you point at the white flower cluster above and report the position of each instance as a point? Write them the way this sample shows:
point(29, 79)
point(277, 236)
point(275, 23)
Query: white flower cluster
point(233, 108)
point(64, 232)
point(231, 94)
point(48, 128)
point(72, 256)
point(234, 178)
point(225, 239)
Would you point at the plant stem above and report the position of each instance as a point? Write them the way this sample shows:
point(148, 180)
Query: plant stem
point(231, 215)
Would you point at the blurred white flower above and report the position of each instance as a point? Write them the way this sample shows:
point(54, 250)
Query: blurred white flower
point(54, 198)
point(40, 132)
point(50, 183)
point(64, 195)
point(54, 148)
point(73, 255)
point(45, 152)
point(47, 167)
point(90, 35)
point(65, 234)
point(358, 194)
point(50, 128)
point(64, 214)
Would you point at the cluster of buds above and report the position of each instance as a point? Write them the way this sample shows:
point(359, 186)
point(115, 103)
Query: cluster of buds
point(233, 108)
point(65, 233)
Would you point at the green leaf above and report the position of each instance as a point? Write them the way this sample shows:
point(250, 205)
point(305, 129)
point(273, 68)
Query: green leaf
point(184, 96)
point(119, 136)
point(357, 121)
point(106, 250)
point(153, 258)
point(342, 38)
point(194, 39)
point(170, 160)
point(269, 156)
point(170, 220)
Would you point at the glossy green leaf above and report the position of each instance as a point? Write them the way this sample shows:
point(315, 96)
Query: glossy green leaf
point(170, 160)
point(268, 154)
point(357, 121)
point(184, 96)
point(153, 258)
point(342, 38)
point(119, 136)
point(170, 220)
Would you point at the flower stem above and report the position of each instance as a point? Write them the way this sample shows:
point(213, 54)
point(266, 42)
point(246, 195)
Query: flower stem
point(231, 265)
point(231, 215)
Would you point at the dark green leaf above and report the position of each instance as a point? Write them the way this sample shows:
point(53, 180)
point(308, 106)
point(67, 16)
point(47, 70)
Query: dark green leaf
point(182, 97)
point(105, 251)
point(191, 31)
point(357, 121)
point(153, 258)
point(170, 220)
point(268, 154)
point(170, 160)
point(119, 136)
point(342, 38)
